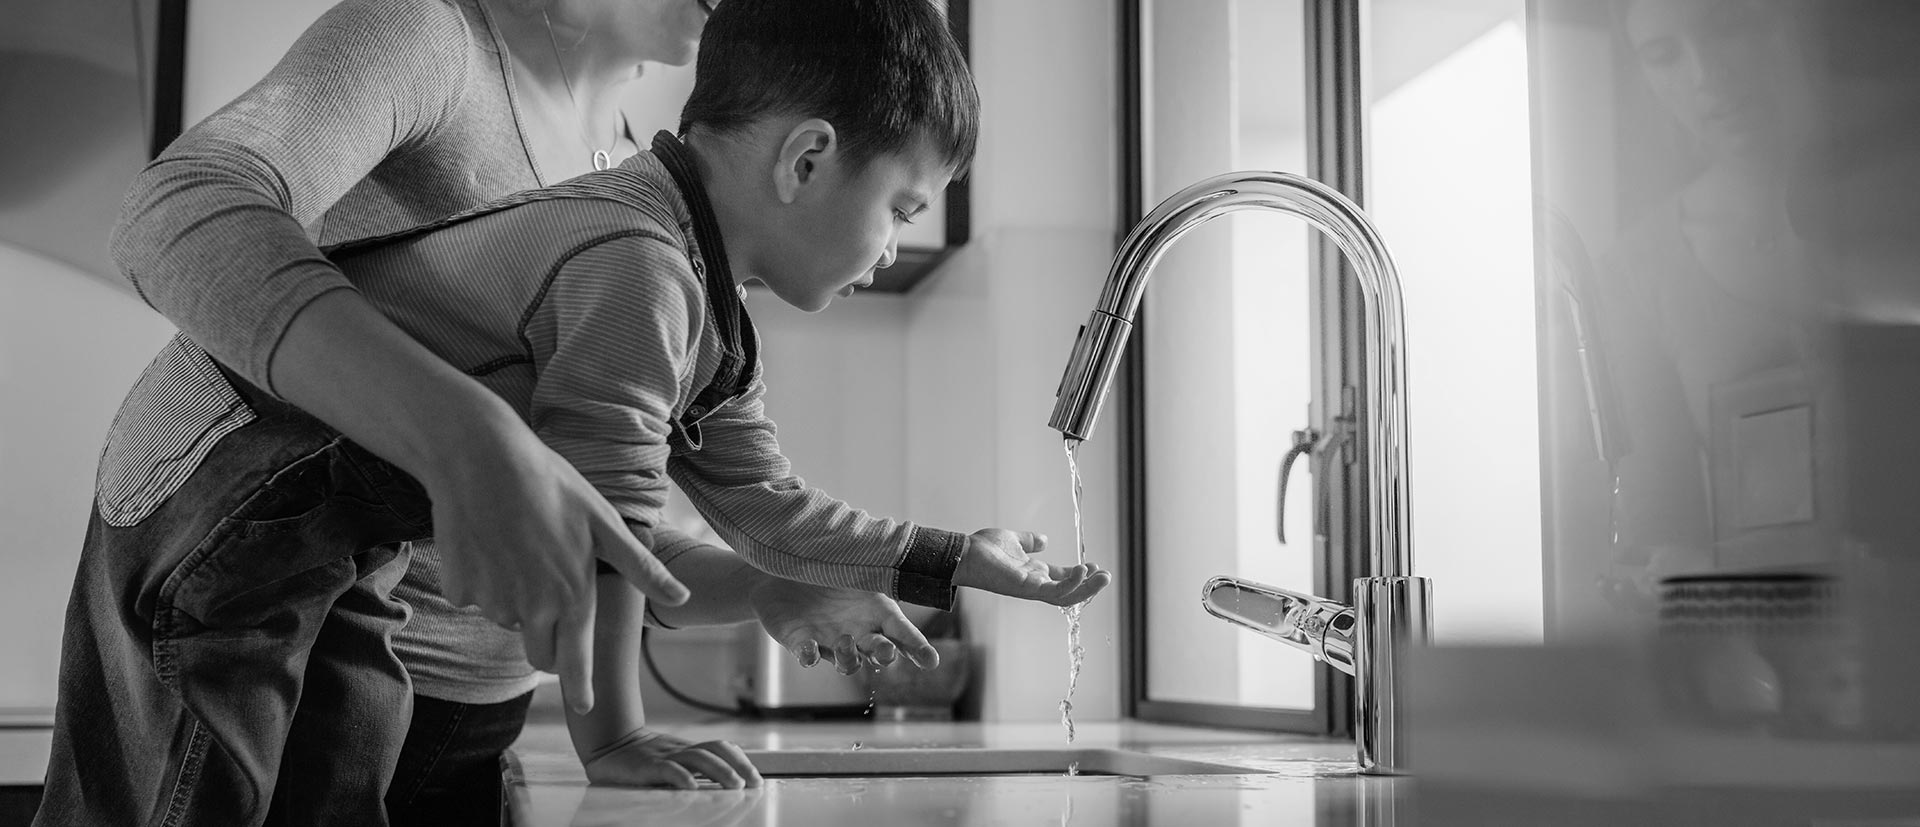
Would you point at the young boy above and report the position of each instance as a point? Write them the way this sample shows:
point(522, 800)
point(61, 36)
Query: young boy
point(236, 637)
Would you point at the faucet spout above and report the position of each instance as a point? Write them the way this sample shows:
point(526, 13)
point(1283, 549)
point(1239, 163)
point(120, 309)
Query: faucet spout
point(1390, 608)
point(1096, 352)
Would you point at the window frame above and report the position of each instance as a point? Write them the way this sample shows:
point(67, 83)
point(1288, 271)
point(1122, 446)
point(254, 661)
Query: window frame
point(1336, 131)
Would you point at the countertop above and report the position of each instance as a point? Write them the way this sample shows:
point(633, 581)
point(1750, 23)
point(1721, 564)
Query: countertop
point(1497, 780)
point(1311, 781)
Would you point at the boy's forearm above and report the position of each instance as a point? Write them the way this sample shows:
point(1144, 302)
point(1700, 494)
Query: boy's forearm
point(618, 708)
point(720, 582)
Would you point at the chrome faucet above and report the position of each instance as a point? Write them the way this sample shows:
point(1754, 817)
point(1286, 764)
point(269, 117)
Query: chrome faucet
point(1391, 608)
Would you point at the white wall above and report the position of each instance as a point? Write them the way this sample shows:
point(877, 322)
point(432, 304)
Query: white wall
point(988, 338)
point(70, 346)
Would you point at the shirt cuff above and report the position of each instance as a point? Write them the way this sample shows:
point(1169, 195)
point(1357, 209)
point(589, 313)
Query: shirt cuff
point(925, 573)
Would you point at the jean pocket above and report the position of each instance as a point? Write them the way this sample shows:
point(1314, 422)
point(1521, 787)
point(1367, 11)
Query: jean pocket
point(180, 407)
point(318, 509)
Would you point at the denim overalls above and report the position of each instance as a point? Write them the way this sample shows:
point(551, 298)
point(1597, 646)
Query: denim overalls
point(228, 655)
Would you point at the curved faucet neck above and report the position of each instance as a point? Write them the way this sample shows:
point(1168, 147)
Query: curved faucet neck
point(1383, 439)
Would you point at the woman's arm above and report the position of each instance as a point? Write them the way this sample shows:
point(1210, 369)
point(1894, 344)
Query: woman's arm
point(212, 236)
point(213, 232)
point(517, 525)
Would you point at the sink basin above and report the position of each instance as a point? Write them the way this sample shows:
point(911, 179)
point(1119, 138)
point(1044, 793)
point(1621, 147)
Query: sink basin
point(800, 763)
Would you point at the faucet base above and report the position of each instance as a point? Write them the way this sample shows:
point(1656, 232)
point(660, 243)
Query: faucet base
point(1394, 613)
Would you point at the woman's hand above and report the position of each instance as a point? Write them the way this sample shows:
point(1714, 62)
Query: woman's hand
point(845, 627)
point(1000, 561)
point(646, 758)
point(519, 529)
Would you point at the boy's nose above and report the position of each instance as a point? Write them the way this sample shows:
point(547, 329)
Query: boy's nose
point(888, 255)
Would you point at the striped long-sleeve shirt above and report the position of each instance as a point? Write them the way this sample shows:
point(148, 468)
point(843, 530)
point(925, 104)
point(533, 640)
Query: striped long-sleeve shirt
point(601, 309)
point(384, 115)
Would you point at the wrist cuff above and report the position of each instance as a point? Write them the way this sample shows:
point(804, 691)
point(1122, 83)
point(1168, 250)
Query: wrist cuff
point(925, 573)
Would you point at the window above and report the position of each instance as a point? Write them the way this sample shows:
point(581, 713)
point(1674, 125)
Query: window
point(1250, 328)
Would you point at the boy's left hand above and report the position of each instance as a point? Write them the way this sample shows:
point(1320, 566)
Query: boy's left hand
point(844, 627)
point(648, 758)
point(1000, 561)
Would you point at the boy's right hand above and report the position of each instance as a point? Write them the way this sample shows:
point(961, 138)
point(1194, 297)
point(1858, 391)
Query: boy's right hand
point(519, 530)
point(1000, 561)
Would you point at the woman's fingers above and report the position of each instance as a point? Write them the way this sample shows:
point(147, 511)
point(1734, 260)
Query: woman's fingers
point(615, 543)
point(571, 654)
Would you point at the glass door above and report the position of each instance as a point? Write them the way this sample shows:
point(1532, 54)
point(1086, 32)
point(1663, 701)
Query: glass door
point(1225, 368)
point(1249, 344)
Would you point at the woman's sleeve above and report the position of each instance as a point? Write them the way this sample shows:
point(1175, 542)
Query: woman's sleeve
point(212, 233)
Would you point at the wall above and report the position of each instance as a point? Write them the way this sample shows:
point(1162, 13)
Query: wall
point(72, 337)
point(988, 337)
point(70, 346)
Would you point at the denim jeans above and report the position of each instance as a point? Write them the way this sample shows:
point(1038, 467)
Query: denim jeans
point(226, 660)
point(449, 770)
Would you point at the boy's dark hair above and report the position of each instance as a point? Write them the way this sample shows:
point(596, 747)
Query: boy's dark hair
point(883, 72)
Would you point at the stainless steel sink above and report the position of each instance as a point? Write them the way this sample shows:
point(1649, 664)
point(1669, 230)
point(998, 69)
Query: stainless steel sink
point(977, 762)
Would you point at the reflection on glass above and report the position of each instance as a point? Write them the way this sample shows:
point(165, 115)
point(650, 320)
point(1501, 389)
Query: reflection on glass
point(1745, 174)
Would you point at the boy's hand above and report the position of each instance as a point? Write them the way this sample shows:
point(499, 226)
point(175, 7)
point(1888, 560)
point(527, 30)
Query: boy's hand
point(845, 627)
point(645, 758)
point(519, 530)
point(998, 561)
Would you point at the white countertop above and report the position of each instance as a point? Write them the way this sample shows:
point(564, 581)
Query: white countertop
point(1313, 781)
point(1310, 782)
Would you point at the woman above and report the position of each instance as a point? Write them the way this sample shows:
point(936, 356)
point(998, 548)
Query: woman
point(388, 114)
point(1713, 298)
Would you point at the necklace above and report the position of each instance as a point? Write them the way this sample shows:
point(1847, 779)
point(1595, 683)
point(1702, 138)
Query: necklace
point(602, 158)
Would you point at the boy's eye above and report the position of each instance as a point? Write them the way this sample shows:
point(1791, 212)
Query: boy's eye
point(902, 217)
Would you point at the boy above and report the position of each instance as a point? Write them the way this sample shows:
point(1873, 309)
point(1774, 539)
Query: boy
point(212, 644)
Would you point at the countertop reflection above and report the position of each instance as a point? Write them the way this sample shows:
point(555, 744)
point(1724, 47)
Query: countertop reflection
point(1309, 781)
point(1306, 781)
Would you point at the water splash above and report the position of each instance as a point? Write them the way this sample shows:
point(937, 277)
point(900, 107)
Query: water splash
point(1073, 769)
point(1076, 653)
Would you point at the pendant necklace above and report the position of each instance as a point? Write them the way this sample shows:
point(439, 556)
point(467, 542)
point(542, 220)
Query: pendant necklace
point(602, 158)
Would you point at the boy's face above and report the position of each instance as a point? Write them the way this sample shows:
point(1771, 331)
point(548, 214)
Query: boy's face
point(845, 223)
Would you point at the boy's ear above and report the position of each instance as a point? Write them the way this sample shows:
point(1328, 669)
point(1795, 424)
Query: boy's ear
point(797, 164)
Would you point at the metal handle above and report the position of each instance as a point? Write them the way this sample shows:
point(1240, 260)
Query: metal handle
point(1305, 441)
